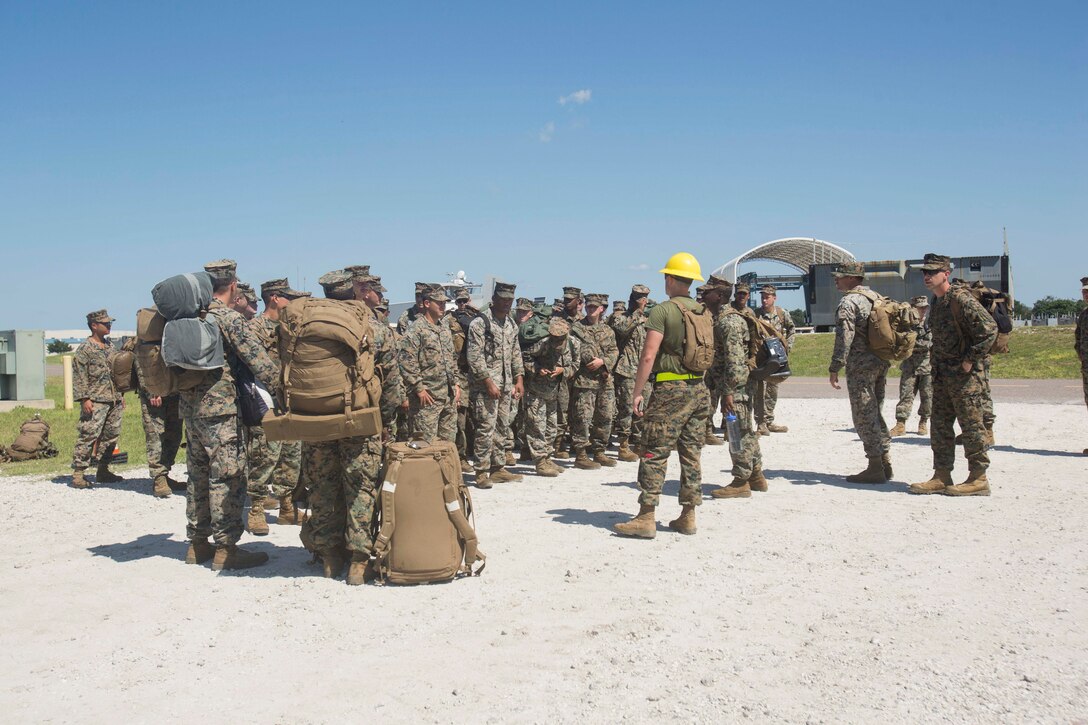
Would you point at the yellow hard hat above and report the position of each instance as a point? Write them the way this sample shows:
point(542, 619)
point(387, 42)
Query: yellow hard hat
point(683, 265)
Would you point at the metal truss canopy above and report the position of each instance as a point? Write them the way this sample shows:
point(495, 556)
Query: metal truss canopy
point(797, 252)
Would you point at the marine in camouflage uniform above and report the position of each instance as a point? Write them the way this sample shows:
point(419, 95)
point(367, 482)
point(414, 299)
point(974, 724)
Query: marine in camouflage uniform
point(342, 475)
point(464, 419)
point(101, 406)
point(413, 313)
point(216, 455)
point(766, 391)
point(571, 311)
point(162, 434)
point(963, 334)
point(523, 311)
point(547, 362)
point(630, 329)
point(866, 374)
point(1080, 343)
point(594, 396)
point(429, 370)
point(713, 296)
point(916, 375)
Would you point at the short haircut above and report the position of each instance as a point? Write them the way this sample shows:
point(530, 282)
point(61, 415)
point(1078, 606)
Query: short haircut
point(221, 283)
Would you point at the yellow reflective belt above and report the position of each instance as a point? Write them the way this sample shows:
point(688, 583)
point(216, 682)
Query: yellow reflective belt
point(665, 376)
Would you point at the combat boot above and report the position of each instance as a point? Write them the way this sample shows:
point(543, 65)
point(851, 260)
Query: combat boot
point(332, 563)
point(526, 455)
point(271, 503)
point(257, 524)
point(289, 514)
point(886, 461)
point(501, 475)
point(642, 526)
point(546, 468)
point(602, 458)
point(777, 428)
point(686, 523)
point(362, 570)
point(78, 480)
point(873, 474)
point(483, 479)
point(942, 478)
point(712, 440)
point(466, 467)
point(199, 551)
point(175, 485)
point(739, 488)
point(581, 460)
point(975, 485)
point(510, 460)
point(757, 481)
point(105, 475)
point(162, 488)
point(235, 557)
point(561, 451)
point(551, 465)
point(624, 452)
point(762, 430)
point(899, 429)
point(923, 427)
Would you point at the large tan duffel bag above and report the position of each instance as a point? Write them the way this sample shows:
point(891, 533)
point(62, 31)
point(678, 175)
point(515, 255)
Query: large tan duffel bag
point(425, 535)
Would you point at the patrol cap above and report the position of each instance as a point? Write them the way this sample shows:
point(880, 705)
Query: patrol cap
point(462, 294)
point(524, 304)
point(741, 287)
point(619, 305)
point(640, 290)
point(505, 290)
point(337, 285)
point(282, 288)
point(221, 270)
point(935, 262)
point(247, 291)
point(700, 291)
point(558, 327)
point(572, 293)
point(850, 269)
point(720, 283)
point(368, 280)
point(1084, 282)
point(919, 301)
point(421, 287)
point(356, 270)
point(768, 289)
point(99, 316)
point(598, 299)
point(434, 293)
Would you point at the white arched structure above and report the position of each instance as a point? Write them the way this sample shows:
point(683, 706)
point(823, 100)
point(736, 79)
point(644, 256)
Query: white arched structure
point(797, 252)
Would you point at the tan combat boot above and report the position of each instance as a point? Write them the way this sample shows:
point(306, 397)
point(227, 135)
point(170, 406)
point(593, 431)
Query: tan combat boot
point(942, 478)
point(546, 468)
point(581, 460)
point(686, 523)
point(777, 428)
point(739, 488)
point(923, 428)
point(78, 480)
point(712, 440)
point(105, 475)
point(510, 459)
point(899, 429)
point(975, 485)
point(235, 557)
point(257, 524)
point(757, 482)
point(874, 473)
point(625, 453)
point(271, 503)
point(501, 475)
point(199, 551)
point(762, 430)
point(561, 451)
point(642, 526)
point(332, 563)
point(483, 479)
point(602, 458)
point(526, 455)
point(886, 461)
point(162, 488)
point(362, 570)
point(289, 514)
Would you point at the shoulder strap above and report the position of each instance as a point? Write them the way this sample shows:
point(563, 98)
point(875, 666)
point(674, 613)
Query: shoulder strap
point(867, 294)
point(389, 518)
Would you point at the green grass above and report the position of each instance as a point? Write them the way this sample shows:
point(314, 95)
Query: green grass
point(1034, 352)
point(62, 434)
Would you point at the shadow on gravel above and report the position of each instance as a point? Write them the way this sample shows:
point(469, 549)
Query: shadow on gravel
point(814, 478)
point(283, 561)
point(142, 485)
point(581, 517)
point(1037, 451)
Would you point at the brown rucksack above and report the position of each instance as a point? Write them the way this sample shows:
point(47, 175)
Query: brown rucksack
point(698, 353)
point(425, 535)
point(893, 327)
point(122, 368)
point(32, 441)
point(154, 376)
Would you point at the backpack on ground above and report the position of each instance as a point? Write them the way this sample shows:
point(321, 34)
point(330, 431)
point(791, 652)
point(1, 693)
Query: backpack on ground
point(154, 376)
point(425, 534)
point(183, 295)
point(330, 387)
point(893, 327)
point(997, 304)
point(32, 441)
point(697, 354)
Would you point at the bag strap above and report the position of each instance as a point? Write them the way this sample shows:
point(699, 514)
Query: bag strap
point(452, 494)
point(389, 517)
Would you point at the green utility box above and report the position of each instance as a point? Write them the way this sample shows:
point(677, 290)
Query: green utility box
point(22, 365)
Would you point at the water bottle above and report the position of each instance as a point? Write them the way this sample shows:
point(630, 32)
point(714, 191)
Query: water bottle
point(732, 429)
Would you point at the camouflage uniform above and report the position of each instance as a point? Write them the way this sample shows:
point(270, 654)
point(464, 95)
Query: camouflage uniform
point(1080, 343)
point(766, 391)
point(712, 378)
point(216, 453)
point(457, 334)
point(958, 395)
point(566, 399)
point(427, 362)
point(594, 396)
point(630, 330)
point(162, 431)
point(917, 375)
point(542, 393)
point(91, 381)
point(732, 338)
point(866, 374)
point(274, 465)
point(497, 357)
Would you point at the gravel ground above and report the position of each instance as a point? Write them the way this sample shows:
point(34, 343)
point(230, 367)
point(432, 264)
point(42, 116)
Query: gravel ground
point(818, 601)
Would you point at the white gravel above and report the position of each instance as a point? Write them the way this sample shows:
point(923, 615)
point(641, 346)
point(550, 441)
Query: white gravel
point(818, 601)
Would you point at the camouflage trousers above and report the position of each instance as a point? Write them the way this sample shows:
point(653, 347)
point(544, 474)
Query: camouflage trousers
point(866, 389)
point(958, 396)
point(465, 429)
point(750, 458)
point(492, 419)
point(563, 411)
point(274, 466)
point(1084, 380)
point(162, 432)
point(541, 413)
point(675, 419)
point(517, 430)
point(343, 480)
point(909, 383)
point(215, 495)
point(711, 382)
point(988, 416)
point(432, 422)
point(628, 425)
point(765, 396)
point(101, 427)
point(591, 425)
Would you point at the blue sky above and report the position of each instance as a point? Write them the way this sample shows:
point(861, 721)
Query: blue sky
point(566, 143)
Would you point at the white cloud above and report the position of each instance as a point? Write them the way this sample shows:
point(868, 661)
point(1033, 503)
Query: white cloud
point(547, 132)
point(638, 267)
point(577, 98)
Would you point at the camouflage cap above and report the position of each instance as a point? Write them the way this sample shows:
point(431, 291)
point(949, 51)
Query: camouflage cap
point(558, 302)
point(524, 304)
point(558, 327)
point(572, 293)
point(741, 287)
point(849, 269)
point(281, 288)
point(700, 291)
point(462, 294)
point(222, 270)
point(919, 301)
point(1084, 282)
point(337, 285)
point(716, 282)
point(598, 299)
point(383, 305)
point(247, 291)
point(357, 270)
point(368, 280)
point(99, 316)
point(619, 305)
point(935, 262)
point(505, 290)
point(640, 290)
point(434, 293)
point(768, 289)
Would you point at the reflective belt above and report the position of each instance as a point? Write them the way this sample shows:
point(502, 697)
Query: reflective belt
point(665, 376)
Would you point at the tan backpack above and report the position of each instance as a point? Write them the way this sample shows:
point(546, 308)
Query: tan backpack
point(760, 331)
point(154, 376)
point(425, 535)
point(330, 389)
point(122, 367)
point(32, 441)
point(698, 353)
point(893, 327)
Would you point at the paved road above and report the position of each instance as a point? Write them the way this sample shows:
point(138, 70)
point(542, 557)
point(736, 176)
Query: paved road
point(1067, 392)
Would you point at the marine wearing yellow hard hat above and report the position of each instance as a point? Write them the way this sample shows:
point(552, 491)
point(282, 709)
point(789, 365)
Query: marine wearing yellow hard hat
point(683, 265)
